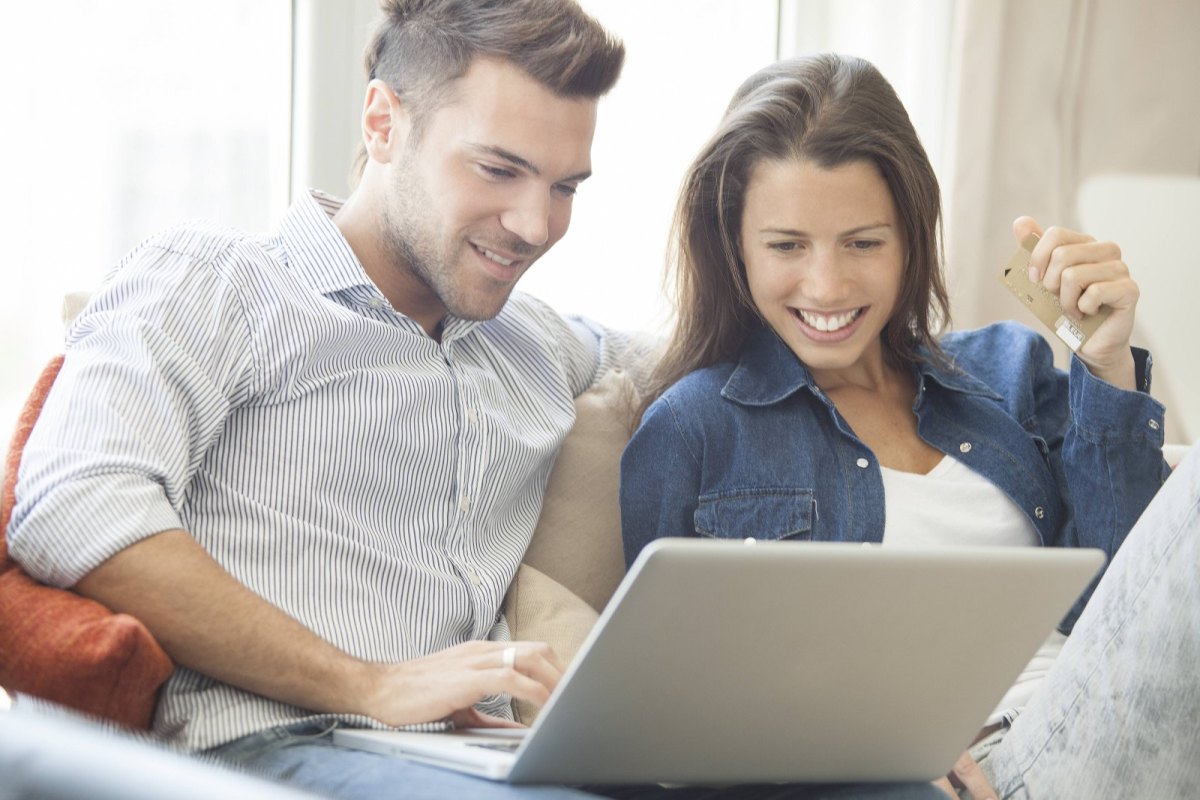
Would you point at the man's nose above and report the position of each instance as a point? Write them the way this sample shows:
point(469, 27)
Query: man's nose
point(529, 218)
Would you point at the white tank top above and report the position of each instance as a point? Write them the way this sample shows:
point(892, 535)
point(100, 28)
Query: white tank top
point(955, 505)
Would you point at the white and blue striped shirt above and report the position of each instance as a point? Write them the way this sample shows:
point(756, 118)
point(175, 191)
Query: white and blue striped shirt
point(260, 392)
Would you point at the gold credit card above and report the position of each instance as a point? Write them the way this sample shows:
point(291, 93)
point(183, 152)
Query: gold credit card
point(1043, 302)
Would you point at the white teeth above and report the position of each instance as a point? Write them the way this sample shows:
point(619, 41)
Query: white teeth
point(827, 323)
point(506, 262)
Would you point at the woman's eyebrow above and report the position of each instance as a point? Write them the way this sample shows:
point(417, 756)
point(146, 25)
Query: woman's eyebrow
point(851, 232)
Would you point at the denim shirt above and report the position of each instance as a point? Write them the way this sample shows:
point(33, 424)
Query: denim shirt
point(756, 449)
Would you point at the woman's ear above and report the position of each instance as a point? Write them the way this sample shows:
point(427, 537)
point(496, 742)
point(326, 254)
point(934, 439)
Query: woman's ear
point(385, 122)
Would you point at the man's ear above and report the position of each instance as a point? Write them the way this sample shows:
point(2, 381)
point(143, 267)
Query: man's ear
point(385, 121)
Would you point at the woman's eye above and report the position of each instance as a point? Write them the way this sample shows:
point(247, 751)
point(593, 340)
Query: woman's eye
point(864, 244)
point(783, 247)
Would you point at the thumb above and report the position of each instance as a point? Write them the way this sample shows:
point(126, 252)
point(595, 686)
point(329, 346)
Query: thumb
point(1023, 226)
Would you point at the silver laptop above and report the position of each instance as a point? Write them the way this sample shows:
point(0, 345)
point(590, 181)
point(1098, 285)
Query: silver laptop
point(729, 662)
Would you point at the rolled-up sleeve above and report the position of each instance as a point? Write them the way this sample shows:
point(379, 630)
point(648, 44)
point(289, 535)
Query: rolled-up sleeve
point(153, 366)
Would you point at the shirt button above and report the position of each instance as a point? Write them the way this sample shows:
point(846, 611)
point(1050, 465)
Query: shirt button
point(1039, 512)
point(965, 447)
point(1154, 425)
point(375, 303)
point(472, 417)
point(862, 463)
point(464, 504)
point(474, 577)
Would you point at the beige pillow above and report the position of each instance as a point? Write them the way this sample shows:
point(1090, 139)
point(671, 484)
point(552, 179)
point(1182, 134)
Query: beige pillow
point(577, 541)
point(541, 609)
point(576, 559)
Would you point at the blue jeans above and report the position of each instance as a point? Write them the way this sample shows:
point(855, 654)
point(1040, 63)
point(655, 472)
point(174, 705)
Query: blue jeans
point(304, 756)
point(1118, 715)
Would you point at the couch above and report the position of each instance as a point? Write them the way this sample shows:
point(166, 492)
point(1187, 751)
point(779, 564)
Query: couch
point(62, 647)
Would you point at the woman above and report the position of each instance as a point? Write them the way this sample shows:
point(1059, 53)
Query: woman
point(806, 393)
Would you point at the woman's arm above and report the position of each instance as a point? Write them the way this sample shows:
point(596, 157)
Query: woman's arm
point(660, 481)
point(1104, 431)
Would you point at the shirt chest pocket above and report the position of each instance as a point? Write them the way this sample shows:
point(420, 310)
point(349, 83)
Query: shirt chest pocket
point(767, 513)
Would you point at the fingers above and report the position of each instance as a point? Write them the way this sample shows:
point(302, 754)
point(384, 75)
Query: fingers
point(474, 718)
point(448, 683)
point(1085, 274)
point(1118, 291)
point(534, 660)
point(1023, 226)
point(944, 785)
point(1083, 288)
point(528, 670)
point(967, 773)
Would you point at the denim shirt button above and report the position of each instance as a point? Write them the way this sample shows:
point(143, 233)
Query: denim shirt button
point(1153, 424)
point(862, 463)
point(1039, 512)
point(965, 447)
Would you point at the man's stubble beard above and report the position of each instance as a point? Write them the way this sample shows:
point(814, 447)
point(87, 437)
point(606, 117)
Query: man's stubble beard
point(411, 245)
point(410, 240)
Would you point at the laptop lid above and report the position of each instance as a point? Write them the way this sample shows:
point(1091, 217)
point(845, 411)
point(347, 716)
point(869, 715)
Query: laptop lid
point(732, 662)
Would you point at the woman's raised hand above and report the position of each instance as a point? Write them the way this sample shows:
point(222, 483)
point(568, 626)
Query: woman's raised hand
point(1086, 274)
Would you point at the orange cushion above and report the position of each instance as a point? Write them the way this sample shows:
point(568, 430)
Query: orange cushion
point(63, 647)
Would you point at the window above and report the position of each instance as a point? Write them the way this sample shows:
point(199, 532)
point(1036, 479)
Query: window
point(132, 115)
point(684, 59)
point(120, 119)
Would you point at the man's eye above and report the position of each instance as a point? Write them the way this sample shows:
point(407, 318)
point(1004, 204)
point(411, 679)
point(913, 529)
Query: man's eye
point(496, 172)
point(566, 189)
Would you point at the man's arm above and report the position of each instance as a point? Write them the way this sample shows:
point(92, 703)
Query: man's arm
point(209, 622)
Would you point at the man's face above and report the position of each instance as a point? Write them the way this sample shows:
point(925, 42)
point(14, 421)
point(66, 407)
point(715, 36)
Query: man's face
point(484, 193)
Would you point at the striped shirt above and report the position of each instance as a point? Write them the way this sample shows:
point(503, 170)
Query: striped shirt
point(261, 393)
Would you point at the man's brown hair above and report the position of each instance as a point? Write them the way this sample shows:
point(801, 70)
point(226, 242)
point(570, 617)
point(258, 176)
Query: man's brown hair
point(420, 47)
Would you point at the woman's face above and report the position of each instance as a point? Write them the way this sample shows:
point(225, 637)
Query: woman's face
point(824, 257)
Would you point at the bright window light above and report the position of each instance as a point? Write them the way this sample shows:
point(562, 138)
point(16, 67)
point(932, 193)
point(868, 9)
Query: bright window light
point(120, 119)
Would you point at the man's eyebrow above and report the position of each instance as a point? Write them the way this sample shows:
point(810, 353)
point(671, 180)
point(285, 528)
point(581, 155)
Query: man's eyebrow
point(525, 164)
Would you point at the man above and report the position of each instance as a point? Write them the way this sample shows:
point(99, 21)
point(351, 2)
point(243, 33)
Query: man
point(311, 462)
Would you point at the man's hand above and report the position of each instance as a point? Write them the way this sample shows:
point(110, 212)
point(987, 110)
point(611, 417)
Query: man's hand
point(1085, 274)
point(206, 620)
point(447, 684)
point(966, 774)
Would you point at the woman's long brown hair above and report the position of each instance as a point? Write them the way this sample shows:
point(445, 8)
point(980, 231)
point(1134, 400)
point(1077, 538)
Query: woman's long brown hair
point(831, 110)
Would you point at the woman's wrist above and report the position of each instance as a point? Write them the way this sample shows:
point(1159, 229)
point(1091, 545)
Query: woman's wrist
point(1121, 372)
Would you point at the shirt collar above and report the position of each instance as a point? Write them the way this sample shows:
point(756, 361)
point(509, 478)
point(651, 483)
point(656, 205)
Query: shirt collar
point(320, 255)
point(768, 372)
point(316, 250)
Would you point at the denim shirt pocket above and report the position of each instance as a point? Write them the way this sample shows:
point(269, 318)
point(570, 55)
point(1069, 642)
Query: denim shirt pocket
point(762, 513)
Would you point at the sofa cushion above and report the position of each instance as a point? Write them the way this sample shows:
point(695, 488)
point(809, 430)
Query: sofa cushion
point(575, 559)
point(63, 647)
point(577, 541)
point(543, 610)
